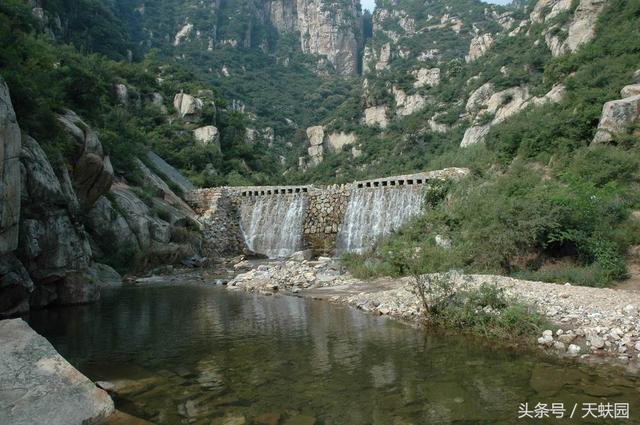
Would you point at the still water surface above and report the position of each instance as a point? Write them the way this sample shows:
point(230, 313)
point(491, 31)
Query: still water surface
point(206, 355)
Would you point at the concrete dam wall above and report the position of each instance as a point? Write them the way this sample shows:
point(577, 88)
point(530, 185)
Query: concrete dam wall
point(277, 221)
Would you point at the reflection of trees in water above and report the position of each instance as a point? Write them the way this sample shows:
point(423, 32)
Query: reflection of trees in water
point(288, 353)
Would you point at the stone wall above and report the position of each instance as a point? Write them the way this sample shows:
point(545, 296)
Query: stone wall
point(326, 205)
point(324, 215)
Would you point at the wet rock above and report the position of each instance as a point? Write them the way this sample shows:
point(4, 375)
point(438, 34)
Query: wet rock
point(38, 386)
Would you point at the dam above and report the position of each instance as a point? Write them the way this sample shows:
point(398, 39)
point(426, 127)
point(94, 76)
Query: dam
point(277, 221)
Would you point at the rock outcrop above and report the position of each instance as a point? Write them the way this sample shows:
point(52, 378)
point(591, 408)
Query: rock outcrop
point(207, 135)
point(485, 103)
point(10, 145)
point(619, 116)
point(332, 31)
point(39, 386)
point(579, 30)
point(47, 254)
point(407, 104)
point(315, 135)
point(53, 246)
point(427, 77)
point(480, 44)
point(92, 170)
point(376, 115)
point(188, 108)
point(336, 141)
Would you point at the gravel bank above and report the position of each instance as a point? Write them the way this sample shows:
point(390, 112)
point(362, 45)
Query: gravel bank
point(591, 324)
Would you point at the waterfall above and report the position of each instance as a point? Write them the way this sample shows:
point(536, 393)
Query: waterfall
point(272, 225)
point(375, 212)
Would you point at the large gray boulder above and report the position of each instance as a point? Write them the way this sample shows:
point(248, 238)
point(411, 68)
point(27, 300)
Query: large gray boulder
point(618, 116)
point(92, 169)
point(9, 172)
point(188, 108)
point(38, 386)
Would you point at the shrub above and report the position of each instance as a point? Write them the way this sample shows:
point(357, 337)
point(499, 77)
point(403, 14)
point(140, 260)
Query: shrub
point(483, 310)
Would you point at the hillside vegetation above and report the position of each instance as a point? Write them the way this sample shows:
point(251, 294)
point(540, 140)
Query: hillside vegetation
point(544, 202)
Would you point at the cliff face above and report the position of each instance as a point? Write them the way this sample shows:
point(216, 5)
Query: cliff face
point(327, 28)
point(58, 220)
point(331, 29)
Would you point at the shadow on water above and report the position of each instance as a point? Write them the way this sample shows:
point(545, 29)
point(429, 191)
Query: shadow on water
point(197, 354)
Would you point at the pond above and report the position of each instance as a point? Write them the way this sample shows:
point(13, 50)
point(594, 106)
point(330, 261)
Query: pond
point(206, 355)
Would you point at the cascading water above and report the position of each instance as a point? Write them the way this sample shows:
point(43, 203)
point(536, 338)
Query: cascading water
point(375, 212)
point(272, 225)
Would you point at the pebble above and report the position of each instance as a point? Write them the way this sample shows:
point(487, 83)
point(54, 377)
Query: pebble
point(573, 349)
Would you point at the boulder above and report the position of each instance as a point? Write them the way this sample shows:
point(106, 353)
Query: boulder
point(507, 103)
point(122, 93)
point(183, 34)
point(207, 135)
point(618, 116)
point(315, 135)
point(188, 108)
point(77, 287)
point(630, 91)
point(38, 386)
point(92, 171)
point(166, 196)
point(307, 254)
point(10, 146)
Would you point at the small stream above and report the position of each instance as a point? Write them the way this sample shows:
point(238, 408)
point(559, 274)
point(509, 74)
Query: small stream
point(200, 354)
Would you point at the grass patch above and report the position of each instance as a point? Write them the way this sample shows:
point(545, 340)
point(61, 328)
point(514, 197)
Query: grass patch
point(485, 310)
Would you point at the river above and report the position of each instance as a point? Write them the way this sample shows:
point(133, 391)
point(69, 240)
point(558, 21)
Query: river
point(200, 354)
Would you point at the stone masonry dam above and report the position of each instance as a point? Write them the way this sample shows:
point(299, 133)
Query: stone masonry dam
point(277, 221)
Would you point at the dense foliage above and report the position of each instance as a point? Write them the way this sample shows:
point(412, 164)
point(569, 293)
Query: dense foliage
point(542, 202)
point(46, 77)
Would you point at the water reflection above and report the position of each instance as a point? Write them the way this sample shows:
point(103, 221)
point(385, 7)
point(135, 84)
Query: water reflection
point(194, 354)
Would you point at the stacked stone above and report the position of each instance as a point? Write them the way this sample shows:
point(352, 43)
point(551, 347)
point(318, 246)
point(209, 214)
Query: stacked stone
point(222, 235)
point(324, 217)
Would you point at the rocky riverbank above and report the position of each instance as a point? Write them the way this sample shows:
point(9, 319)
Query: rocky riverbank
point(590, 324)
